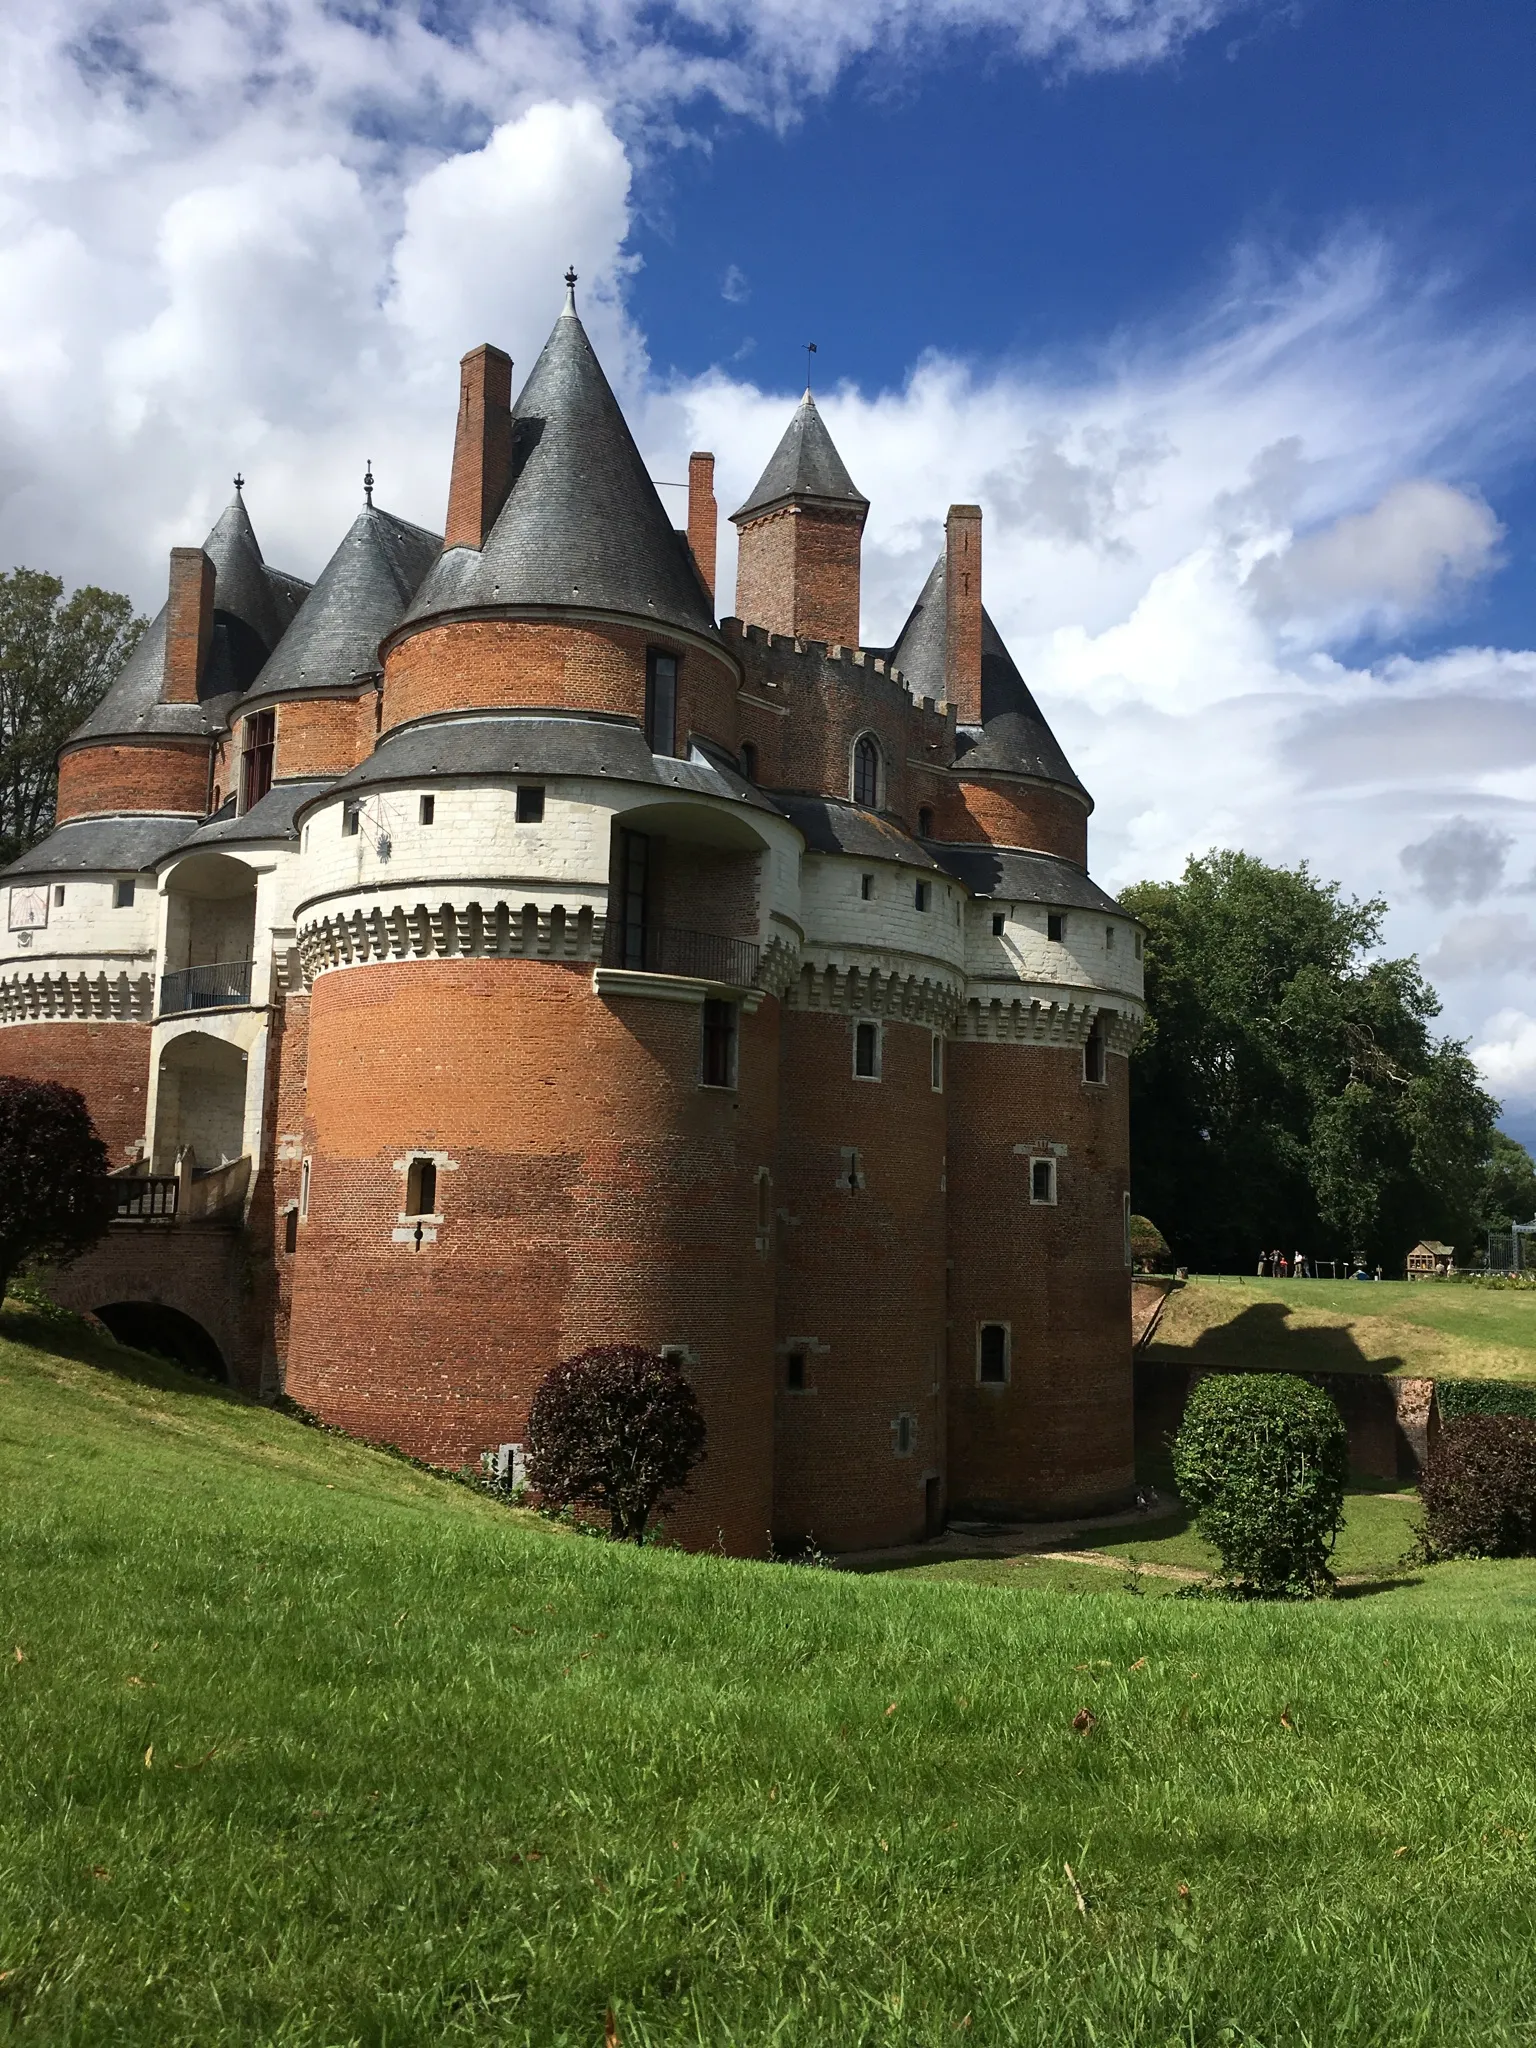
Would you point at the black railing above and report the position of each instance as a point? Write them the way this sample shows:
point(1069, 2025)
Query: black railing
point(206, 988)
point(147, 1198)
point(666, 949)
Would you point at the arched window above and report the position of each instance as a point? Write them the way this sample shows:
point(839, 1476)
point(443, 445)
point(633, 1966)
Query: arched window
point(866, 771)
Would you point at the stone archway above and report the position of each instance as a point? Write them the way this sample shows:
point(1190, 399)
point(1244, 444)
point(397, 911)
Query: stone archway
point(169, 1334)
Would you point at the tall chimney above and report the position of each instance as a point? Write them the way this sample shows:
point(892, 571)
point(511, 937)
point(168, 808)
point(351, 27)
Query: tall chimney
point(482, 447)
point(962, 607)
point(703, 514)
point(188, 625)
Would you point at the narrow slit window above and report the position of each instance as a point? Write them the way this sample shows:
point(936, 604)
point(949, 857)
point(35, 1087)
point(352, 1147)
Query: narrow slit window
point(749, 760)
point(866, 1051)
point(922, 894)
point(530, 803)
point(1109, 938)
point(719, 1051)
point(429, 810)
point(1093, 1053)
point(351, 817)
point(291, 1231)
point(867, 887)
point(936, 1064)
point(1138, 945)
point(122, 895)
point(904, 1435)
point(999, 924)
point(992, 1359)
point(794, 1372)
point(1055, 926)
point(1042, 1181)
point(661, 701)
point(764, 1200)
point(58, 896)
point(924, 822)
point(304, 1172)
point(421, 1188)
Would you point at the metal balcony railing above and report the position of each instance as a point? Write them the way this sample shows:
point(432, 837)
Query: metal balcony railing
point(667, 949)
point(206, 988)
point(147, 1198)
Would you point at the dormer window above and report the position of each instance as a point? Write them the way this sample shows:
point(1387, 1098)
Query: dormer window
point(866, 771)
point(661, 701)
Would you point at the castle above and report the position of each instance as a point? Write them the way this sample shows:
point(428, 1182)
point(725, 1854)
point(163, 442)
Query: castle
point(484, 952)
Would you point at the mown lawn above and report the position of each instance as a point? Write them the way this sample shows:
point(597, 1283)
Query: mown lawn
point(1438, 1330)
point(304, 1747)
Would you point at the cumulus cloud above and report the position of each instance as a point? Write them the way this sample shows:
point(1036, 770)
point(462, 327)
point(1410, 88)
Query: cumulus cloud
point(1506, 1056)
point(1491, 943)
point(1460, 862)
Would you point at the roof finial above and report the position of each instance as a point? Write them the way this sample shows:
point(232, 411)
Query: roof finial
point(368, 484)
point(570, 289)
point(810, 350)
point(239, 483)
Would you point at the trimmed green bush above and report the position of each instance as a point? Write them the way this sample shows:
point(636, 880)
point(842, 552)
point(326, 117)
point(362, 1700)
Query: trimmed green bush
point(1484, 1397)
point(1261, 1460)
point(1478, 1487)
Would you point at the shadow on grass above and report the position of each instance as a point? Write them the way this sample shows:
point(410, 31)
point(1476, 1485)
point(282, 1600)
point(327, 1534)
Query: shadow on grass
point(67, 1336)
point(1364, 1589)
point(1263, 1339)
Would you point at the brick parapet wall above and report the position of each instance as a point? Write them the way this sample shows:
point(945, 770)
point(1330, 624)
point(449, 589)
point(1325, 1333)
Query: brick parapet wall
point(115, 776)
point(1058, 1438)
point(109, 1064)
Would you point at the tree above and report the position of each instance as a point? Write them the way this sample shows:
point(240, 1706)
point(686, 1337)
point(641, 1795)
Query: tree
point(618, 1429)
point(58, 657)
point(1289, 1090)
point(1260, 1461)
point(55, 1199)
point(1508, 1191)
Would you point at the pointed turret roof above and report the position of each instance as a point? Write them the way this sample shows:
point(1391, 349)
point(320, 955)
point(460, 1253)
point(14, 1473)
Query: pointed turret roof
point(1013, 737)
point(582, 525)
point(805, 465)
point(252, 606)
point(360, 595)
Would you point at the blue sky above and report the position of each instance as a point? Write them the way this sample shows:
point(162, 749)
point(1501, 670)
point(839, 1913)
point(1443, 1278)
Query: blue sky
point(1223, 312)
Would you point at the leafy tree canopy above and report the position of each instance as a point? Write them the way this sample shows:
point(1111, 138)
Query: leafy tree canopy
point(58, 657)
point(1289, 1092)
point(55, 1200)
point(1508, 1193)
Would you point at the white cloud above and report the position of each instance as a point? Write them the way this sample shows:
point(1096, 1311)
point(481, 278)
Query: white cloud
point(1506, 1056)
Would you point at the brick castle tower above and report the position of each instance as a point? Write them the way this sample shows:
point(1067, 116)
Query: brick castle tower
point(484, 952)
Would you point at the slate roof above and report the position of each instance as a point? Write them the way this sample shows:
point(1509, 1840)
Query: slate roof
point(829, 825)
point(805, 465)
point(582, 525)
point(998, 872)
point(272, 818)
point(507, 743)
point(126, 845)
point(1013, 736)
point(253, 607)
point(359, 596)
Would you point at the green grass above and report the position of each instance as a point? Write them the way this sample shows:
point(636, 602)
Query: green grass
point(1438, 1330)
point(309, 1748)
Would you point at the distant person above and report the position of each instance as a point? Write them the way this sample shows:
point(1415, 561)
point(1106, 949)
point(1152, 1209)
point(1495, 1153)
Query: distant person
point(1299, 1266)
point(1378, 1272)
point(1263, 1265)
point(1282, 1266)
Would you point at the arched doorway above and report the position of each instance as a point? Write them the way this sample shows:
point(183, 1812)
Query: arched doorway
point(200, 1101)
point(151, 1326)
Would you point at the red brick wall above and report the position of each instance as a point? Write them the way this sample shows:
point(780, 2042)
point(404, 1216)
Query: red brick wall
point(324, 735)
point(599, 1196)
point(471, 664)
point(108, 1063)
point(862, 1273)
point(1005, 813)
point(827, 704)
point(158, 777)
point(797, 572)
point(1058, 1438)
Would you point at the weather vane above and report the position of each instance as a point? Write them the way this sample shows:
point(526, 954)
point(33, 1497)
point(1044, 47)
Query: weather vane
point(239, 481)
point(810, 350)
point(368, 484)
point(570, 278)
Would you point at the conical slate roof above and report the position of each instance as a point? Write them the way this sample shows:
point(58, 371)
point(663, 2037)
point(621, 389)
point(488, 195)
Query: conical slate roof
point(252, 607)
point(358, 598)
point(1013, 737)
point(582, 525)
point(805, 464)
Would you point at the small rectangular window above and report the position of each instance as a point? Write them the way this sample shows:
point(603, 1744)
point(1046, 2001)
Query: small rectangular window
point(749, 760)
point(1042, 1180)
point(921, 893)
point(429, 810)
point(1109, 938)
point(291, 1231)
point(924, 822)
point(1055, 927)
point(58, 896)
point(530, 803)
point(992, 1360)
point(794, 1372)
point(866, 887)
point(904, 1435)
point(351, 817)
point(421, 1188)
point(719, 1050)
point(661, 701)
point(866, 1051)
point(304, 1190)
point(999, 924)
point(122, 895)
point(936, 1064)
point(1138, 945)
point(1125, 1226)
point(1093, 1054)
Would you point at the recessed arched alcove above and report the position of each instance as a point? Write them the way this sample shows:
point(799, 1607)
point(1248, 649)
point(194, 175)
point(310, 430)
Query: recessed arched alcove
point(168, 1333)
point(200, 1101)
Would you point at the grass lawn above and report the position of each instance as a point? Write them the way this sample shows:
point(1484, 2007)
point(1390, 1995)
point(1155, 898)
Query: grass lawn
point(304, 1747)
point(1399, 1326)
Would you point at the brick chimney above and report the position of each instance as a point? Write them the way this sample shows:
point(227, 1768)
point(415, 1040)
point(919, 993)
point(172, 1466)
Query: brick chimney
point(703, 514)
point(962, 609)
point(188, 625)
point(482, 447)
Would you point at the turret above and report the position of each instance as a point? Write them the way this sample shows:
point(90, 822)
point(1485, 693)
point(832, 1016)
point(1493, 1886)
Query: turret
point(797, 562)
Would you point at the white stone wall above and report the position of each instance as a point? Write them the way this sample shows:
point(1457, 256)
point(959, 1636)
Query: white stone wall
point(1086, 956)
